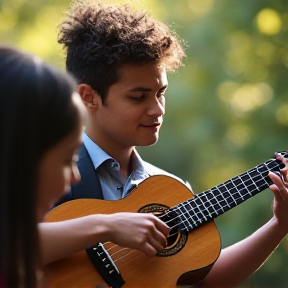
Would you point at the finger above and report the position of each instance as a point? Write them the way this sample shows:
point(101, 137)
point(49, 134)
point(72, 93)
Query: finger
point(156, 232)
point(162, 227)
point(159, 240)
point(284, 174)
point(277, 188)
point(161, 231)
point(277, 180)
point(282, 159)
point(148, 249)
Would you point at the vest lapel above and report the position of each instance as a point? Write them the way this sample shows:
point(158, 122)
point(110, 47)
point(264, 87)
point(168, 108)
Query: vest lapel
point(89, 185)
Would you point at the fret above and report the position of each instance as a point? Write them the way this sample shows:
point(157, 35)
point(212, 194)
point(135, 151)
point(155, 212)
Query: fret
point(202, 208)
point(190, 208)
point(216, 193)
point(193, 213)
point(210, 206)
point(211, 203)
point(185, 219)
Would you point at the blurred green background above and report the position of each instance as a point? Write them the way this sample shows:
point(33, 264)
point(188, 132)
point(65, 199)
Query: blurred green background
point(227, 108)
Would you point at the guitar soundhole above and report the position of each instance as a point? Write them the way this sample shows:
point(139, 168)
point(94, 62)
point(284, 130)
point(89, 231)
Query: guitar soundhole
point(177, 238)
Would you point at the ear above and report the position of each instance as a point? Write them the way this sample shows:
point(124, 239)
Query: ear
point(89, 96)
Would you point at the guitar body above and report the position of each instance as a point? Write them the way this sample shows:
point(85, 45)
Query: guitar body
point(186, 265)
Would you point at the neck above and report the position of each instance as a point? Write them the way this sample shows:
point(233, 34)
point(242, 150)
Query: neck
point(120, 153)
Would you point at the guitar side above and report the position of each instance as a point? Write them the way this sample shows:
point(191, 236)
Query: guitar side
point(188, 266)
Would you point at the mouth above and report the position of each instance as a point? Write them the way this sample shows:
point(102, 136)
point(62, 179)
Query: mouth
point(154, 125)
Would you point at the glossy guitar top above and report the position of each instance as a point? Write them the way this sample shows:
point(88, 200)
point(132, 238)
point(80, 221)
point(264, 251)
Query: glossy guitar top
point(187, 259)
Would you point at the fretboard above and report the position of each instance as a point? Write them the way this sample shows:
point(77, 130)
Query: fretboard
point(210, 204)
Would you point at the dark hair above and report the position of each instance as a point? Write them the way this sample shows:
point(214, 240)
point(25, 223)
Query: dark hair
point(100, 38)
point(36, 112)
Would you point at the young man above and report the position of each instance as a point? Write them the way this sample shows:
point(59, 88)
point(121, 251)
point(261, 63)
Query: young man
point(120, 58)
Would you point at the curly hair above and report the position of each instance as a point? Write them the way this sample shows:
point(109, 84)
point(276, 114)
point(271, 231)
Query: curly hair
point(100, 38)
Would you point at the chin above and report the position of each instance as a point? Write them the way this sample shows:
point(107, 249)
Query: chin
point(148, 143)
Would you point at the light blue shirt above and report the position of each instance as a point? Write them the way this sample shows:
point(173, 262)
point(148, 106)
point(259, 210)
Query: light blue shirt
point(113, 186)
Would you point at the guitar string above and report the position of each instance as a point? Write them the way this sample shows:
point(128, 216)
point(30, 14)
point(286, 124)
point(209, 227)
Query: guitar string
point(178, 224)
point(242, 196)
point(131, 251)
point(198, 197)
point(173, 219)
point(187, 203)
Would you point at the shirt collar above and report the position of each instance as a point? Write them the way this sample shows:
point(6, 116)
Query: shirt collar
point(99, 156)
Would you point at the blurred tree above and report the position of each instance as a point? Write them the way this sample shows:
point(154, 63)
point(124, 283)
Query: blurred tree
point(227, 108)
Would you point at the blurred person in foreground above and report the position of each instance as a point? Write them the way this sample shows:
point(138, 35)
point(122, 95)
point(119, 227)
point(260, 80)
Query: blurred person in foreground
point(41, 125)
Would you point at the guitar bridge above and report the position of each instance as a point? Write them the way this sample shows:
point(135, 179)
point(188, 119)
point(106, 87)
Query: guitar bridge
point(105, 265)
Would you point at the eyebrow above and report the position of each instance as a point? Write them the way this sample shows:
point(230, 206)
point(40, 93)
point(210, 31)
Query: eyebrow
point(141, 89)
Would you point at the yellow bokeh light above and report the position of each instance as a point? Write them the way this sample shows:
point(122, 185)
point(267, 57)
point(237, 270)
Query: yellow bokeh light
point(282, 115)
point(8, 20)
point(226, 89)
point(201, 8)
point(238, 135)
point(268, 21)
point(240, 48)
point(246, 97)
point(42, 39)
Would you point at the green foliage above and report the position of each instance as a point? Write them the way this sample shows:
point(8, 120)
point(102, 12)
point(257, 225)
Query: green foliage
point(227, 108)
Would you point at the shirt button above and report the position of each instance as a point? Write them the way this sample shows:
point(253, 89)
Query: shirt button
point(115, 166)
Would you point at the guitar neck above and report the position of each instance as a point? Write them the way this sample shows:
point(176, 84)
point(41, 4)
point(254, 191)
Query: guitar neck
point(209, 204)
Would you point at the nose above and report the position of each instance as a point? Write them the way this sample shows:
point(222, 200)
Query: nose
point(156, 108)
point(75, 174)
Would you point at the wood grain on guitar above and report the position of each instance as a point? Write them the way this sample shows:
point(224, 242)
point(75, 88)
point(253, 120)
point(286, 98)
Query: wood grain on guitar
point(194, 242)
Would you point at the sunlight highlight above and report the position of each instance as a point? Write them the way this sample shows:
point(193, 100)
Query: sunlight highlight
point(8, 20)
point(238, 135)
point(246, 97)
point(42, 40)
point(268, 21)
point(282, 115)
point(201, 8)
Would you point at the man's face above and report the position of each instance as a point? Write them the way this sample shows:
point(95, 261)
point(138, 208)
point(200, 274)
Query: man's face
point(133, 111)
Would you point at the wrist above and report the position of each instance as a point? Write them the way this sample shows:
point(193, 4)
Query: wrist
point(281, 229)
point(101, 230)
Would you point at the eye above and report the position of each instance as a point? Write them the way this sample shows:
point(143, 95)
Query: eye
point(161, 98)
point(137, 99)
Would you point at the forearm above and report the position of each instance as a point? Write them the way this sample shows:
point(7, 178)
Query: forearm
point(142, 231)
point(239, 261)
point(61, 239)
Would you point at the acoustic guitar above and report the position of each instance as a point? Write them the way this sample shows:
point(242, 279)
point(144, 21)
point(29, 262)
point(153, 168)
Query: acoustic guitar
point(193, 244)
